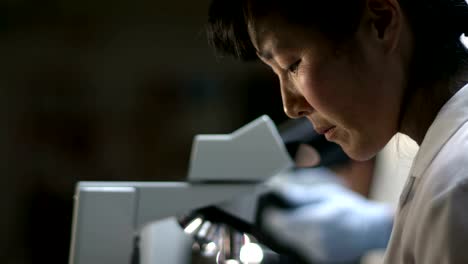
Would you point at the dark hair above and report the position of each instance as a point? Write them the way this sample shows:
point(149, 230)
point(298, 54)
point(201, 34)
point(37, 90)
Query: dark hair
point(228, 20)
point(437, 26)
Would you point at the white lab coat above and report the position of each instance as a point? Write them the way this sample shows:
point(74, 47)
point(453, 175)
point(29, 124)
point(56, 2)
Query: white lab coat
point(431, 226)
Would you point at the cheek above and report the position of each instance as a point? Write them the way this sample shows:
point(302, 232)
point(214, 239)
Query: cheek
point(324, 90)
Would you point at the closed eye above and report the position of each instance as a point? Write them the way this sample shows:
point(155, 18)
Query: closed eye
point(294, 67)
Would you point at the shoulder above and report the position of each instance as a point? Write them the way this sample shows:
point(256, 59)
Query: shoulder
point(447, 221)
point(432, 227)
point(450, 166)
point(442, 191)
point(440, 219)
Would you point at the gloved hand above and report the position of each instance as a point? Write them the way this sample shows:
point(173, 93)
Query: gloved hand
point(322, 220)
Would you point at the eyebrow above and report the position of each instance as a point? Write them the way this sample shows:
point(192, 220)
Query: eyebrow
point(265, 54)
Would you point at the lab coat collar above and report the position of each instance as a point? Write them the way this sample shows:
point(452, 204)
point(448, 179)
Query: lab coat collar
point(449, 119)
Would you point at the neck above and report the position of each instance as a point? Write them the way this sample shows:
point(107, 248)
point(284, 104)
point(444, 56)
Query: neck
point(424, 103)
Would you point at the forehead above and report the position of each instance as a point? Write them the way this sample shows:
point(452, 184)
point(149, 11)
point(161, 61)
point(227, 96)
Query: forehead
point(267, 29)
point(272, 33)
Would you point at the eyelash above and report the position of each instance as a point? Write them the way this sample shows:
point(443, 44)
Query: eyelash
point(294, 67)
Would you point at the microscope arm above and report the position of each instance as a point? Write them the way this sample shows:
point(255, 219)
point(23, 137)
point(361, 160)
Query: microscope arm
point(108, 215)
point(225, 170)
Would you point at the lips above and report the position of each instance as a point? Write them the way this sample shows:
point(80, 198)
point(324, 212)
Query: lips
point(321, 129)
point(324, 130)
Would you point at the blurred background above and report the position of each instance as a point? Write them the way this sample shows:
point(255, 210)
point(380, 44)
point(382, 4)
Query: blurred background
point(106, 90)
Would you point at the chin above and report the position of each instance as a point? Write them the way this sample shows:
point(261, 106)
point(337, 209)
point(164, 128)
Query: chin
point(359, 153)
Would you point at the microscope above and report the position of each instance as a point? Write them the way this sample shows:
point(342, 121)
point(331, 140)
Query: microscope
point(213, 212)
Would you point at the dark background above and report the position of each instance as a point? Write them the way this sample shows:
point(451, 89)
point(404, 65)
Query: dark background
point(106, 90)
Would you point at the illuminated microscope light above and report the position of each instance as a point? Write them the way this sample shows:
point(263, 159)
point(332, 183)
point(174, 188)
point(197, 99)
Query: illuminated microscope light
point(210, 249)
point(251, 253)
point(231, 261)
point(194, 225)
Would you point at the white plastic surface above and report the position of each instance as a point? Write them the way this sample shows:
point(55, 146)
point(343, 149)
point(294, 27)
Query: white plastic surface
point(253, 153)
point(165, 242)
point(224, 172)
point(108, 215)
point(103, 225)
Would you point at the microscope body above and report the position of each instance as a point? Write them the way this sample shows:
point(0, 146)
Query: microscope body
point(226, 171)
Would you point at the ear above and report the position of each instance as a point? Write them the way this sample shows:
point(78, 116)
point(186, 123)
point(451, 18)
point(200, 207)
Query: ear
point(385, 18)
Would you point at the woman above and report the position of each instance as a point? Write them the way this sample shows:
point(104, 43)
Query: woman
point(361, 71)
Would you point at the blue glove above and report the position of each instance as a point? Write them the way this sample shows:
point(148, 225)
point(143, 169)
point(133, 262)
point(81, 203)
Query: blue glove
point(327, 223)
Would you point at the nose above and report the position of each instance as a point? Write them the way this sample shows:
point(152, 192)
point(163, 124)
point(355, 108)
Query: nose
point(294, 103)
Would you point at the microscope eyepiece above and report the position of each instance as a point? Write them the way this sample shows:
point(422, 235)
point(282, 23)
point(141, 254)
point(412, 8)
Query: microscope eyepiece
point(297, 132)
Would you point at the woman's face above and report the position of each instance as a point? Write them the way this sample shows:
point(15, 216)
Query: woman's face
point(351, 92)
